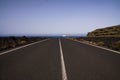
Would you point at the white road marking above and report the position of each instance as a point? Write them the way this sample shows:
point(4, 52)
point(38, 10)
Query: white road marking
point(64, 74)
point(21, 47)
point(97, 46)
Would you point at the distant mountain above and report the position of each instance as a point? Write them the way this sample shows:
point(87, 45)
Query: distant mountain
point(113, 31)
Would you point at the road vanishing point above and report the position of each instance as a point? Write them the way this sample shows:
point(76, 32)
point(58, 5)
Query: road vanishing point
point(59, 59)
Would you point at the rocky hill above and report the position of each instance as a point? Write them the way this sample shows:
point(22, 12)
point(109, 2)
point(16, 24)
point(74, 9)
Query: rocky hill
point(113, 31)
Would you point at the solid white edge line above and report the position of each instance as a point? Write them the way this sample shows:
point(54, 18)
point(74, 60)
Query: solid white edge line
point(64, 74)
point(97, 46)
point(22, 47)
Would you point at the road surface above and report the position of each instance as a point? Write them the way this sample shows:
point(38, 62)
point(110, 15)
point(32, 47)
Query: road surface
point(60, 59)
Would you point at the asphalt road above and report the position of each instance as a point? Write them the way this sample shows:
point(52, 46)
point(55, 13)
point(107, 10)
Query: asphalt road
point(36, 62)
point(42, 61)
point(84, 62)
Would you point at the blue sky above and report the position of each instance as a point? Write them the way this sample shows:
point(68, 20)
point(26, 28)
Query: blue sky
point(36, 17)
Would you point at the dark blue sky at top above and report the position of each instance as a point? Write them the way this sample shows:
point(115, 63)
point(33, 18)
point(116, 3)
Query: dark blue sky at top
point(36, 17)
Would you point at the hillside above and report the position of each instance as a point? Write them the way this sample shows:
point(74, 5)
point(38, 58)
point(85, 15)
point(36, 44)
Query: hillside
point(113, 31)
point(108, 37)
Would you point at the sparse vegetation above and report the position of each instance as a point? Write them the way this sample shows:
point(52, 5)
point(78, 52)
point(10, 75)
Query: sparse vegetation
point(11, 42)
point(108, 42)
point(100, 44)
point(116, 45)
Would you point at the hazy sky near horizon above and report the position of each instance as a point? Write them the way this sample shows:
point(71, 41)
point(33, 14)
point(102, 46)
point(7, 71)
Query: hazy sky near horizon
point(35, 17)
